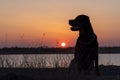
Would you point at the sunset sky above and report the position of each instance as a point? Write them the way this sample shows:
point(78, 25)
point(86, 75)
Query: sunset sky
point(34, 23)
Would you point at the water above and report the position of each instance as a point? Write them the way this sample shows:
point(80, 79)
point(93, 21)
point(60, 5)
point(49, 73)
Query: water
point(51, 60)
point(109, 59)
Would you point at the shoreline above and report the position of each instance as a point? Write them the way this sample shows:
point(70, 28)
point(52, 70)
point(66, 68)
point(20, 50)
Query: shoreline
point(16, 50)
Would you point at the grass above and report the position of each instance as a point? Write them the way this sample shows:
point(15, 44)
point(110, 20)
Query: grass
point(35, 61)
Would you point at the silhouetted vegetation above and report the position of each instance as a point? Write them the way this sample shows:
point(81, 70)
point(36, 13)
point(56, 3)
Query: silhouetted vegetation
point(109, 50)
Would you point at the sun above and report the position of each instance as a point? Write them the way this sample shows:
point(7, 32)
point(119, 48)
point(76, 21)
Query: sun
point(63, 44)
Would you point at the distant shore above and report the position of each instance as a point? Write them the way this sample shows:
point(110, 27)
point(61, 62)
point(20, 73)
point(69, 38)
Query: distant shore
point(41, 50)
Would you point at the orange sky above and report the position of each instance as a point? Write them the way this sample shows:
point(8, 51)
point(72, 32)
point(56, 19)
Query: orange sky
point(36, 23)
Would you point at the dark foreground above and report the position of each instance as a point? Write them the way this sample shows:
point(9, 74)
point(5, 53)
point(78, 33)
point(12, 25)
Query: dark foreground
point(107, 73)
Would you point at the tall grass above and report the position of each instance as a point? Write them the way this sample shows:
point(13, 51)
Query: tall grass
point(35, 61)
point(44, 60)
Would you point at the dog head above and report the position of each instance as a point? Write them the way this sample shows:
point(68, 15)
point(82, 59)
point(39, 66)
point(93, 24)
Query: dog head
point(79, 23)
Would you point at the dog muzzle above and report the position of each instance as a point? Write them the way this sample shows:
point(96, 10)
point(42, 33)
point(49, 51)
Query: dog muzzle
point(75, 28)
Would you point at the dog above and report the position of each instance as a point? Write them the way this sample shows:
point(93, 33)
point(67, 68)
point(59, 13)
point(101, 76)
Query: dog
point(86, 49)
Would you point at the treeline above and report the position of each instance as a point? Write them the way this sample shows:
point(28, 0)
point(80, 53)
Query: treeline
point(41, 50)
point(109, 50)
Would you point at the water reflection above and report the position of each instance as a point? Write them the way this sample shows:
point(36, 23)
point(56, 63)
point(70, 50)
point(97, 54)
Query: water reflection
point(109, 59)
point(51, 60)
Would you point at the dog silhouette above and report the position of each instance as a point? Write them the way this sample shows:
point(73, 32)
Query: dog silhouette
point(86, 49)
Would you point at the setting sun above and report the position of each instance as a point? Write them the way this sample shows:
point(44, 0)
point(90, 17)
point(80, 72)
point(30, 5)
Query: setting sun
point(63, 44)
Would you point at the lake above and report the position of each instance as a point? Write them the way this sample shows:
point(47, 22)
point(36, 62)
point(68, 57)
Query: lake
point(109, 59)
point(51, 60)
